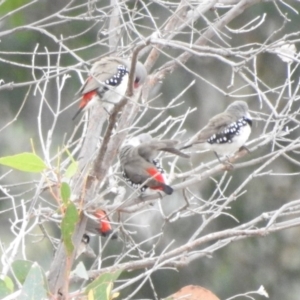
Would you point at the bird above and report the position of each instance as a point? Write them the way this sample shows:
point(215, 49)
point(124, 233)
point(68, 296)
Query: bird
point(108, 82)
point(226, 132)
point(100, 225)
point(140, 168)
point(85, 248)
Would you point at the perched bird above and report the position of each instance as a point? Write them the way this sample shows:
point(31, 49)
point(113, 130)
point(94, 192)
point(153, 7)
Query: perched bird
point(108, 81)
point(226, 132)
point(140, 168)
point(85, 248)
point(100, 225)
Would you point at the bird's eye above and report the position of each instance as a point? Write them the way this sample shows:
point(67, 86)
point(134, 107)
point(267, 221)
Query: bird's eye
point(137, 79)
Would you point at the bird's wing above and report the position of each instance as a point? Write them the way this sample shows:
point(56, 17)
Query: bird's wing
point(101, 71)
point(215, 125)
point(140, 174)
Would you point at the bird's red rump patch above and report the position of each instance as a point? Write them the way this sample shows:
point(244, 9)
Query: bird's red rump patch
point(157, 176)
point(105, 225)
point(86, 98)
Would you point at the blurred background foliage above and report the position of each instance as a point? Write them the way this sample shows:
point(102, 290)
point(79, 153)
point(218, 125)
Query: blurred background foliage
point(272, 261)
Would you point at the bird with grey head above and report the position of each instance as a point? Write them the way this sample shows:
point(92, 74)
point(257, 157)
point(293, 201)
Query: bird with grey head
point(225, 133)
point(108, 82)
point(140, 168)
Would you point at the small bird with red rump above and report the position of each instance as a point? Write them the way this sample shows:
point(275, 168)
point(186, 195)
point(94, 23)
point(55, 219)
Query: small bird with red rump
point(108, 82)
point(100, 225)
point(140, 168)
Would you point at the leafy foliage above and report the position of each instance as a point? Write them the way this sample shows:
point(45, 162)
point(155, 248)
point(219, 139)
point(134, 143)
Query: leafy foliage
point(68, 225)
point(101, 287)
point(27, 162)
point(34, 287)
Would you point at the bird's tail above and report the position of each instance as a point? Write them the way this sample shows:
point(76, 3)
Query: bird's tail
point(169, 146)
point(163, 187)
point(176, 152)
point(186, 147)
point(77, 113)
point(168, 190)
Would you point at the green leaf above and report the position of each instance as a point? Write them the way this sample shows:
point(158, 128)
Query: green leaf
point(4, 289)
point(81, 271)
point(9, 283)
point(65, 193)
point(21, 269)
point(27, 162)
point(100, 292)
point(72, 169)
point(68, 225)
point(34, 287)
point(102, 285)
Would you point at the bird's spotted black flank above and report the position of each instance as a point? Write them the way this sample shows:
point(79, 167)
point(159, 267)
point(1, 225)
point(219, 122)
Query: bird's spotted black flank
point(113, 81)
point(118, 77)
point(134, 185)
point(226, 136)
point(158, 166)
point(139, 185)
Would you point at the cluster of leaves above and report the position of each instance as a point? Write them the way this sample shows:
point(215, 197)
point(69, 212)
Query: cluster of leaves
point(29, 274)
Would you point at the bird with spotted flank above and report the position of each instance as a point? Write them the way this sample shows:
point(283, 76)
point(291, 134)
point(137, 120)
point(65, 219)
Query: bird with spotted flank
point(225, 133)
point(108, 82)
point(140, 168)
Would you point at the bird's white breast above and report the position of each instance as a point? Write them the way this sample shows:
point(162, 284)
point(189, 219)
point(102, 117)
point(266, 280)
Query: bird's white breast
point(237, 142)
